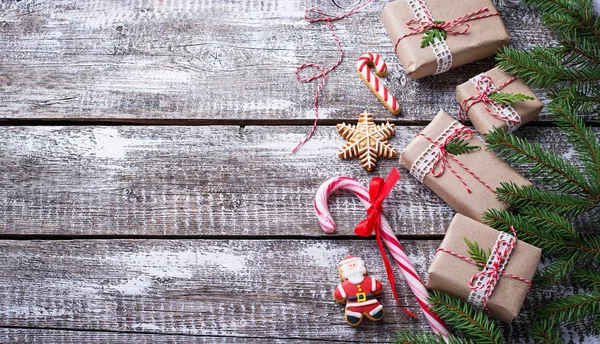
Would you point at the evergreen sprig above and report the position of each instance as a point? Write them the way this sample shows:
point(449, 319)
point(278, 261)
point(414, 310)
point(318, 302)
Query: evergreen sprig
point(550, 167)
point(508, 98)
point(472, 324)
point(554, 235)
point(477, 253)
point(588, 279)
point(430, 35)
point(572, 308)
point(544, 331)
point(458, 146)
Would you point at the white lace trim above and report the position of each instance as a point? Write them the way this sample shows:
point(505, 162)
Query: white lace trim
point(422, 166)
point(505, 111)
point(441, 51)
point(477, 296)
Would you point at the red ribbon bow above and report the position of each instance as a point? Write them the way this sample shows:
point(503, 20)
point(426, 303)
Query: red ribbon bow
point(379, 189)
point(484, 89)
point(418, 27)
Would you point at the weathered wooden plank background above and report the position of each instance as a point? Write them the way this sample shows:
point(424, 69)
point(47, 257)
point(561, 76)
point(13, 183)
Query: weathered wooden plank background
point(147, 190)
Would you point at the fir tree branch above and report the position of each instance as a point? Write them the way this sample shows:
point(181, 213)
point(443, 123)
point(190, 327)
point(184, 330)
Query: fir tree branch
point(558, 270)
point(458, 146)
point(550, 240)
point(508, 98)
point(551, 223)
point(583, 138)
point(473, 324)
point(587, 278)
point(568, 17)
point(544, 67)
point(545, 331)
point(405, 337)
point(572, 308)
point(517, 197)
point(596, 326)
point(554, 169)
point(477, 253)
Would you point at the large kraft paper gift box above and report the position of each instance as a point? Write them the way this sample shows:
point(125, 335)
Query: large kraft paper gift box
point(487, 114)
point(482, 39)
point(467, 182)
point(452, 275)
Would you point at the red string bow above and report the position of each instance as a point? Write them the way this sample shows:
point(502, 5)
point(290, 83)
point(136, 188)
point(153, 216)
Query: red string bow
point(459, 23)
point(441, 160)
point(379, 189)
point(484, 89)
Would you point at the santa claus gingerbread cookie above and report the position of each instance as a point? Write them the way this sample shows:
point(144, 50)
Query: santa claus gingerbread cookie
point(358, 291)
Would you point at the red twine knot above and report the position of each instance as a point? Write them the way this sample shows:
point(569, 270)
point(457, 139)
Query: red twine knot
point(441, 160)
point(484, 90)
point(379, 189)
point(459, 23)
point(491, 272)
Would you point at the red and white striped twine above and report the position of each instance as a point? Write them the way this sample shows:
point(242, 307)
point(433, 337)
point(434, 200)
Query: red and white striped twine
point(493, 271)
point(459, 23)
point(441, 159)
point(484, 89)
point(321, 71)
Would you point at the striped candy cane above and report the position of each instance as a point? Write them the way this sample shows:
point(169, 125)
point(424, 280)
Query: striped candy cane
point(363, 68)
point(389, 238)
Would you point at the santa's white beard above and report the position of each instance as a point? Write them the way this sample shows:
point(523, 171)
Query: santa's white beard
point(355, 276)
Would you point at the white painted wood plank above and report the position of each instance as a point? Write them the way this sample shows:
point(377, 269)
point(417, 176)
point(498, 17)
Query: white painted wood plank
point(198, 181)
point(208, 60)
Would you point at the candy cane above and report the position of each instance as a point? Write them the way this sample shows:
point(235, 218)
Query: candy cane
point(363, 68)
point(391, 242)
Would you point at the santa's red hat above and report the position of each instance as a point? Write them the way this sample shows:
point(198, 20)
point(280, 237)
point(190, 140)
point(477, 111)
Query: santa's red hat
point(348, 259)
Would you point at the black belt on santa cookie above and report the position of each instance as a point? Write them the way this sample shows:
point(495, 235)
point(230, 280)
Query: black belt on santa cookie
point(363, 297)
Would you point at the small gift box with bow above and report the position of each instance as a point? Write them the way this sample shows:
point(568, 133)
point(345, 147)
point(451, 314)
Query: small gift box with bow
point(448, 158)
point(432, 36)
point(498, 285)
point(496, 99)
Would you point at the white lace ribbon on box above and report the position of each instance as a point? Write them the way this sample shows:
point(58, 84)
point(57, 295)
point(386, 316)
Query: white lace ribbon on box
point(485, 283)
point(441, 51)
point(422, 166)
point(507, 113)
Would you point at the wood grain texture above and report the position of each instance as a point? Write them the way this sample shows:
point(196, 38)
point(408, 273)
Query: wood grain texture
point(236, 289)
point(200, 181)
point(52, 336)
point(208, 61)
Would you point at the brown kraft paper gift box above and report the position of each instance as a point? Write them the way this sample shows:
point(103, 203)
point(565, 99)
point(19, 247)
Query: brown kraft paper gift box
point(483, 121)
point(483, 38)
point(452, 275)
point(484, 164)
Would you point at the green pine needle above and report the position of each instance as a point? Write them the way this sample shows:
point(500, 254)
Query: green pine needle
point(518, 197)
point(553, 169)
point(596, 326)
point(458, 146)
point(472, 324)
point(545, 331)
point(508, 98)
point(430, 35)
point(588, 279)
point(572, 308)
point(477, 253)
point(427, 338)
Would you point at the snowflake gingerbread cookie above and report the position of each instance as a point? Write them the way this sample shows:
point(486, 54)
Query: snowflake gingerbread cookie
point(358, 291)
point(366, 141)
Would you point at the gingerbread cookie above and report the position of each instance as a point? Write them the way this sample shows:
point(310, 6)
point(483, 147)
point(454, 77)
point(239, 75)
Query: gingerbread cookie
point(366, 141)
point(358, 291)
